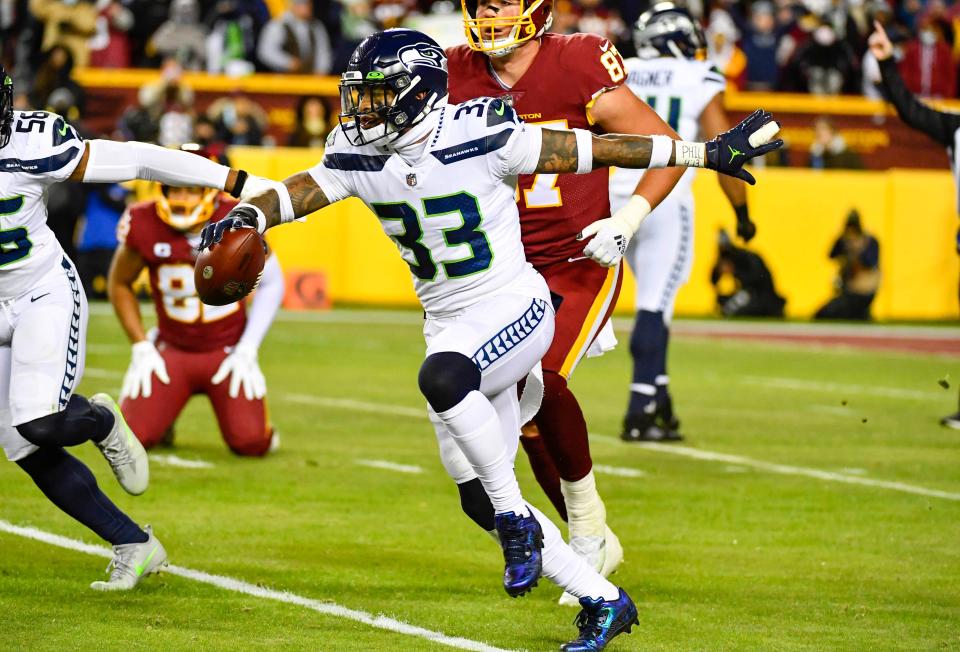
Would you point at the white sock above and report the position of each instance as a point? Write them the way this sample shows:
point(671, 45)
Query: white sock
point(566, 568)
point(476, 428)
point(586, 514)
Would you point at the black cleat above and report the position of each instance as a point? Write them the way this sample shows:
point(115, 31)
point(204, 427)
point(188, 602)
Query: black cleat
point(641, 427)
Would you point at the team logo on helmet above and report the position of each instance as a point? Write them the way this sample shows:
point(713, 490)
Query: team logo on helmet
point(422, 54)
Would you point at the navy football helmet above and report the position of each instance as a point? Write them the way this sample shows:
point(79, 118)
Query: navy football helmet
point(668, 30)
point(394, 79)
point(6, 107)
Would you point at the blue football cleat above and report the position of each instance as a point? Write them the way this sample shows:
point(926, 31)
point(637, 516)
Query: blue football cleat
point(599, 622)
point(521, 539)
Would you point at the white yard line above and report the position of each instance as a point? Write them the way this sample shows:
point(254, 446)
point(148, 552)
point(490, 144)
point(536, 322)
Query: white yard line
point(239, 586)
point(783, 469)
point(619, 471)
point(390, 466)
point(670, 449)
point(839, 388)
point(179, 462)
point(350, 404)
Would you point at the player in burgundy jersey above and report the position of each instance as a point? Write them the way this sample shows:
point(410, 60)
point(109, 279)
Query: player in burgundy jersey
point(198, 348)
point(571, 81)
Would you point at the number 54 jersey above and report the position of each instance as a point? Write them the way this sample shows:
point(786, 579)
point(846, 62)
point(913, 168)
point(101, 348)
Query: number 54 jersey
point(43, 149)
point(448, 202)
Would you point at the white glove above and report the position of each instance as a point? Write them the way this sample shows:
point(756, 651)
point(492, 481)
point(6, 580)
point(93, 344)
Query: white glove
point(145, 361)
point(241, 365)
point(612, 234)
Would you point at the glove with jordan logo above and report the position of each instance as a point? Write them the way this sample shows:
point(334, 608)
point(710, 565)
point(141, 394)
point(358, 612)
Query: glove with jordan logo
point(145, 362)
point(729, 151)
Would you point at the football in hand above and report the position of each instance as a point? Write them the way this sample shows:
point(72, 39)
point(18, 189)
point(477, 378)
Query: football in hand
point(229, 270)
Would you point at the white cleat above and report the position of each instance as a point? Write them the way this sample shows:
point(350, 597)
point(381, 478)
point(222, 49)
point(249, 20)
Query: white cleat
point(274, 442)
point(603, 554)
point(132, 562)
point(123, 450)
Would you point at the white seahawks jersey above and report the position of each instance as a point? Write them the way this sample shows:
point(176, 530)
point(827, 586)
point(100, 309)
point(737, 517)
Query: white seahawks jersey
point(678, 90)
point(448, 203)
point(43, 149)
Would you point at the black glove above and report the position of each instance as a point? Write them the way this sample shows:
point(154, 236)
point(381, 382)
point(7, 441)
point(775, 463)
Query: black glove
point(746, 229)
point(728, 152)
point(241, 217)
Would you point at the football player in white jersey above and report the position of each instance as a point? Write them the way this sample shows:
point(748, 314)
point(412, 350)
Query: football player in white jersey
point(687, 91)
point(441, 179)
point(43, 321)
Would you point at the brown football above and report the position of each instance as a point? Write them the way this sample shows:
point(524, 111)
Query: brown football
point(230, 269)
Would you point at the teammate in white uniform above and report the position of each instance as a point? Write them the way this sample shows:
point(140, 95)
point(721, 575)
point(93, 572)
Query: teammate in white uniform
point(687, 92)
point(441, 179)
point(43, 322)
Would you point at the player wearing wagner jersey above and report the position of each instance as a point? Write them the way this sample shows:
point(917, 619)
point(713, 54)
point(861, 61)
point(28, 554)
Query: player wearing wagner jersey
point(687, 91)
point(565, 82)
point(441, 177)
point(43, 325)
point(198, 348)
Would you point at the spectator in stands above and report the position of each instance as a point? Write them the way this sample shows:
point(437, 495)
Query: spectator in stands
point(155, 99)
point(858, 254)
point(239, 120)
point(207, 135)
point(296, 42)
point(722, 36)
point(110, 47)
point(313, 123)
point(760, 39)
point(928, 68)
point(743, 283)
point(232, 40)
point(825, 64)
point(829, 149)
point(70, 23)
point(55, 73)
point(182, 37)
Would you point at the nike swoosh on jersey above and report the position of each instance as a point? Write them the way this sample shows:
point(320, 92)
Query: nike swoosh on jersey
point(32, 299)
point(63, 130)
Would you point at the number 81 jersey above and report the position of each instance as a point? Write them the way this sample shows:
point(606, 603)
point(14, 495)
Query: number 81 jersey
point(43, 149)
point(448, 204)
point(169, 255)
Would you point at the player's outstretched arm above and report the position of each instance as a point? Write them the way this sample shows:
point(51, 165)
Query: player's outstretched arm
point(296, 197)
point(107, 161)
point(726, 154)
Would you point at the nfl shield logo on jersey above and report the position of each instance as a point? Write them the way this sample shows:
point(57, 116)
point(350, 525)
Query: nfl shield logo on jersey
point(411, 180)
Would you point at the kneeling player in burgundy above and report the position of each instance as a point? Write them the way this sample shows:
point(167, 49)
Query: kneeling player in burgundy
point(199, 349)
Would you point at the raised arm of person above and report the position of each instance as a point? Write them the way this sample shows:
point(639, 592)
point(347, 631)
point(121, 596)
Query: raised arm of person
point(713, 122)
point(939, 125)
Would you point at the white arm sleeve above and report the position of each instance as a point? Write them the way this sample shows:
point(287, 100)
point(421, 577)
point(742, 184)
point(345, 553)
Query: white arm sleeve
point(113, 162)
point(264, 305)
point(522, 152)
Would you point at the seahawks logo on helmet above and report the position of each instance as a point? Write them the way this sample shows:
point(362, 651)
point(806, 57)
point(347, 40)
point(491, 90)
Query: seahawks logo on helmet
point(422, 54)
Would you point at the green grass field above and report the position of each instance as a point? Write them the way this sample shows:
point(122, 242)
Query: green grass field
point(724, 552)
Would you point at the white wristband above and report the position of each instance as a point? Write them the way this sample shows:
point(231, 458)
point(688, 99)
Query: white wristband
point(584, 151)
point(286, 204)
point(633, 212)
point(661, 151)
point(261, 218)
point(689, 155)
